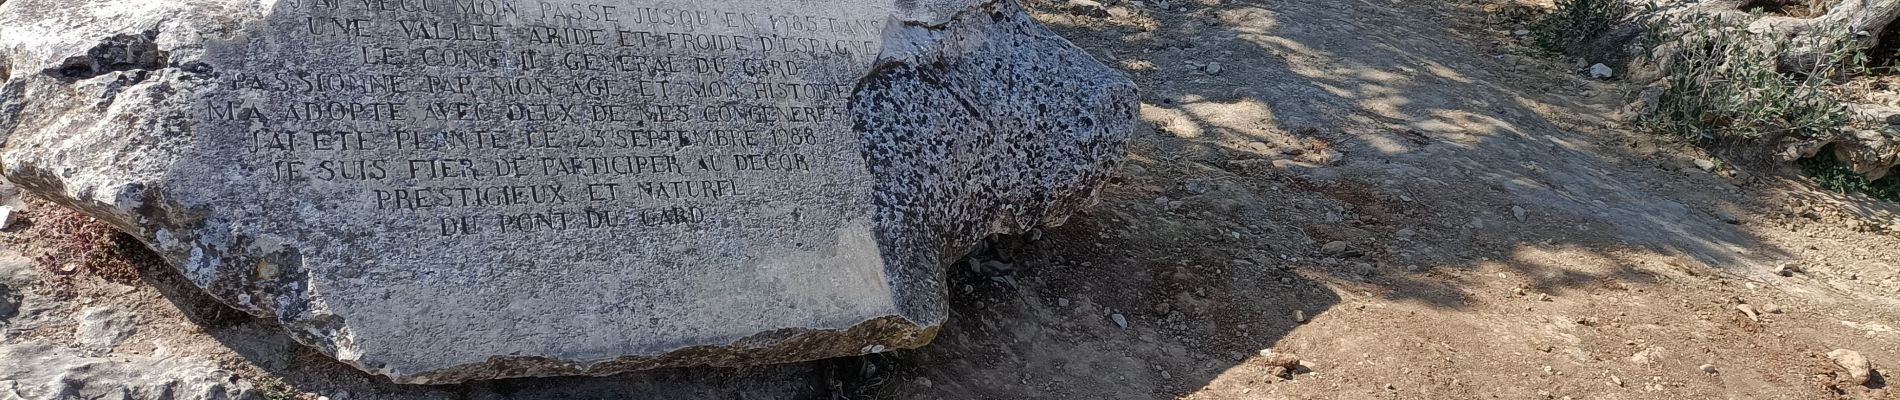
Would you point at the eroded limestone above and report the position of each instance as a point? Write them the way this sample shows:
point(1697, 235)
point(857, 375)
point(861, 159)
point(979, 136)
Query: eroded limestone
point(446, 190)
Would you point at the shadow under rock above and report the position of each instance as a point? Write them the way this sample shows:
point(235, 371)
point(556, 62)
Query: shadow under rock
point(264, 346)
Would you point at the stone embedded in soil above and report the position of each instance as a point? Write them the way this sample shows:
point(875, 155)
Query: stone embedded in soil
point(102, 328)
point(1334, 247)
point(1859, 370)
point(452, 190)
point(1277, 359)
point(1088, 8)
point(1749, 311)
point(1787, 269)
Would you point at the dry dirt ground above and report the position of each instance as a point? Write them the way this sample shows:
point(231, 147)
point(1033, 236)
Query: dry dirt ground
point(1393, 191)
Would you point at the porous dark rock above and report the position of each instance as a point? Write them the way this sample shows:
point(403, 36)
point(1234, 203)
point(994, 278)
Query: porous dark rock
point(447, 190)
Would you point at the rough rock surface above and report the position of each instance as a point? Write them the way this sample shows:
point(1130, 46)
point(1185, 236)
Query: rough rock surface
point(447, 190)
point(102, 328)
point(1859, 370)
point(43, 371)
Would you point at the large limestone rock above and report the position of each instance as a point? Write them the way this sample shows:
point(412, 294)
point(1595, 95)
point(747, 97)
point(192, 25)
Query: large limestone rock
point(446, 190)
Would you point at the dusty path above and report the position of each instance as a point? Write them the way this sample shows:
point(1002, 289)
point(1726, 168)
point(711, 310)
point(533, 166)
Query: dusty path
point(1503, 236)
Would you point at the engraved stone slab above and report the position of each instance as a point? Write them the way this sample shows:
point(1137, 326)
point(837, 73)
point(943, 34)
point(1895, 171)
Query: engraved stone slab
point(445, 190)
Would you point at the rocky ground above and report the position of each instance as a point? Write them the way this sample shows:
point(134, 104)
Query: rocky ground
point(1367, 199)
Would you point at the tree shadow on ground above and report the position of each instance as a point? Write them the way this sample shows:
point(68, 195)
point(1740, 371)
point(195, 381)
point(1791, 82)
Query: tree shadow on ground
point(1419, 132)
point(1280, 128)
point(1326, 122)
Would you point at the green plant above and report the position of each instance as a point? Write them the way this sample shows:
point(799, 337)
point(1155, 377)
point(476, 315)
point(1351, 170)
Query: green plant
point(1576, 22)
point(1722, 81)
point(1832, 175)
point(273, 388)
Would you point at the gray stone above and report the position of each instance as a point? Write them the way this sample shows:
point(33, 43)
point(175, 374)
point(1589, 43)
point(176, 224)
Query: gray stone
point(1195, 186)
point(446, 190)
point(1334, 247)
point(9, 194)
point(1601, 71)
point(1648, 100)
point(1088, 8)
point(43, 371)
point(102, 328)
point(9, 304)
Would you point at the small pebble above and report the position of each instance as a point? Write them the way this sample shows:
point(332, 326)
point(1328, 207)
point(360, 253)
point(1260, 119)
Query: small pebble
point(1299, 316)
point(1707, 368)
point(1120, 320)
point(1749, 311)
point(1334, 247)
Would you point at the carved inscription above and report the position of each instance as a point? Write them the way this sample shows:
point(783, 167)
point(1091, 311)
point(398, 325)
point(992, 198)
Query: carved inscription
point(479, 117)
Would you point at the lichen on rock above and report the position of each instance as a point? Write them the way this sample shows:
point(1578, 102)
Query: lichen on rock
point(440, 191)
